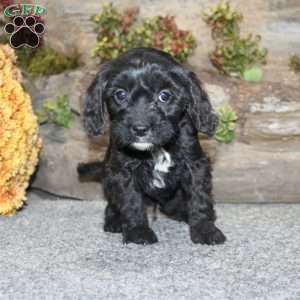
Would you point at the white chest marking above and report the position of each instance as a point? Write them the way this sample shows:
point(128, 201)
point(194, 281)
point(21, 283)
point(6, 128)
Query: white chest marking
point(162, 163)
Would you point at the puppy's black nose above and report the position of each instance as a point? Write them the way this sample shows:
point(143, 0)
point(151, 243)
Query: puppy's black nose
point(140, 130)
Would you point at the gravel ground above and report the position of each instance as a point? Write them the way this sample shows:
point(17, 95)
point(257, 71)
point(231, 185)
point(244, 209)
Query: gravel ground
point(58, 250)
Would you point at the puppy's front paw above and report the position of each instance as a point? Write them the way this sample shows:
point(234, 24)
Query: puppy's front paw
point(113, 225)
point(140, 235)
point(207, 233)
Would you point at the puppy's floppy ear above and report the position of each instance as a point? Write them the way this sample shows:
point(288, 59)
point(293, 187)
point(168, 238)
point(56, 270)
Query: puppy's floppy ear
point(199, 109)
point(94, 106)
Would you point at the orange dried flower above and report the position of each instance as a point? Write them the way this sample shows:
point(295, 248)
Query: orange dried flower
point(19, 140)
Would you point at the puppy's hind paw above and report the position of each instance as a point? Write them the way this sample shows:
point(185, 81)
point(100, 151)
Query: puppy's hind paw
point(140, 235)
point(207, 234)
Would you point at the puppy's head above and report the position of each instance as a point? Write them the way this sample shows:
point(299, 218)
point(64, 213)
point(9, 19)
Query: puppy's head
point(146, 94)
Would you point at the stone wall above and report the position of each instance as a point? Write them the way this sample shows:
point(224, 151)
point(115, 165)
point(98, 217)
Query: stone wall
point(278, 21)
point(262, 165)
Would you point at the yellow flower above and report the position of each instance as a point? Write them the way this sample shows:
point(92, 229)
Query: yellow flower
point(19, 141)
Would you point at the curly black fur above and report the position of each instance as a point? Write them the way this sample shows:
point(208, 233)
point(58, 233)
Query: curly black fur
point(154, 155)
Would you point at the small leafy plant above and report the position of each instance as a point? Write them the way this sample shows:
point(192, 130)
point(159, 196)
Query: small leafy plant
point(236, 56)
point(294, 63)
point(56, 111)
point(118, 32)
point(224, 21)
point(162, 33)
point(253, 75)
point(233, 55)
point(226, 129)
point(113, 30)
point(45, 61)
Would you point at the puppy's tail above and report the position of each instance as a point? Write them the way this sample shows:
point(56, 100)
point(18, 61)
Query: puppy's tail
point(92, 171)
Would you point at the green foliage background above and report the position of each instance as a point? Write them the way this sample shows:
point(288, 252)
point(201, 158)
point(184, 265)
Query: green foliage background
point(118, 32)
point(233, 54)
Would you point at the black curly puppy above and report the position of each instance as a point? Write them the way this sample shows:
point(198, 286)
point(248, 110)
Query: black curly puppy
point(156, 109)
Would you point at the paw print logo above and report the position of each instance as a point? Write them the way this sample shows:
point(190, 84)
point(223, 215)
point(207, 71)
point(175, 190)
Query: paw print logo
point(24, 31)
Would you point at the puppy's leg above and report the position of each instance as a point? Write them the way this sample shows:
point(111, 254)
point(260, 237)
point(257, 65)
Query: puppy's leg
point(112, 222)
point(202, 227)
point(201, 213)
point(135, 222)
point(130, 204)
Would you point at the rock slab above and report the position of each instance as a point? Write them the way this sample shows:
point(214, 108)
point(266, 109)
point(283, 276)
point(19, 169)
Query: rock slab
point(262, 165)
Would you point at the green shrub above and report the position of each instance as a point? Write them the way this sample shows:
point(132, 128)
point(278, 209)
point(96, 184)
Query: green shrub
point(56, 111)
point(47, 61)
point(233, 54)
point(24, 56)
point(118, 32)
point(223, 20)
point(294, 63)
point(226, 129)
point(113, 32)
point(43, 61)
point(236, 56)
point(162, 33)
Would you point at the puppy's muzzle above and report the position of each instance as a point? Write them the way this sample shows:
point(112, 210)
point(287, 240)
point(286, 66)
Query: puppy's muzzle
point(140, 130)
point(142, 134)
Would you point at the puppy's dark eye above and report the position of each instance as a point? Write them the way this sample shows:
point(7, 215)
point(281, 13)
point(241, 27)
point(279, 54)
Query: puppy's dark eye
point(120, 95)
point(164, 96)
